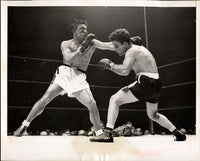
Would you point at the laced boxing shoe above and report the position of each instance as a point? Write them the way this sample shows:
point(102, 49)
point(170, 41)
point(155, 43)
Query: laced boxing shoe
point(106, 137)
point(179, 136)
point(19, 132)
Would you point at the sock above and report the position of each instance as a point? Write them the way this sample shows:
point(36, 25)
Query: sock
point(110, 126)
point(99, 132)
point(109, 129)
point(25, 123)
point(172, 129)
point(177, 133)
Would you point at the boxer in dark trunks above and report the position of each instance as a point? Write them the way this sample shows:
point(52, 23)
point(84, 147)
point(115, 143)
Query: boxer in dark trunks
point(146, 87)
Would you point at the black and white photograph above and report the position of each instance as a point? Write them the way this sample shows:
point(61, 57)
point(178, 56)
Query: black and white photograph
point(100, 81)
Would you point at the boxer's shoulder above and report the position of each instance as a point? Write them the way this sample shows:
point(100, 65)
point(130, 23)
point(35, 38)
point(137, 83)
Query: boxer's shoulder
point(69, 44)
point(66, 43)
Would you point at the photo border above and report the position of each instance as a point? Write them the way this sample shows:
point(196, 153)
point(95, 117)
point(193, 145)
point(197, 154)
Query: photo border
point(105, 3)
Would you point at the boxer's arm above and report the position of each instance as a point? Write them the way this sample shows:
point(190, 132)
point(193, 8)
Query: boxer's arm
point(104, 45)
point(124, 68)
point(67, 53)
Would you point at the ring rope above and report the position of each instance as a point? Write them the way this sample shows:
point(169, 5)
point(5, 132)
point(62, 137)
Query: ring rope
point(105, 109)
point(179, 62)
point(25, 81)
point(96, 65)
point(39, 82)
point(97, 86)
point(40, 59)
point(179, 84)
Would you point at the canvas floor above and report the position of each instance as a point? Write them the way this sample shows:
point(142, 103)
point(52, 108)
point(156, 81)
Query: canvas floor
point(79, 148)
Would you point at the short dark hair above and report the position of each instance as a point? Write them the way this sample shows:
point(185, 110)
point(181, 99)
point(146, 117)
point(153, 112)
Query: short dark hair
point(120, 35)
point(77, 22)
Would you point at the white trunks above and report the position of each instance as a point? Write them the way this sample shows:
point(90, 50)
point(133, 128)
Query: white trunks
point(70, 79)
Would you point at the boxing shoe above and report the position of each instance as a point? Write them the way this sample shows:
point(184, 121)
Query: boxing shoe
point(19, 132)
point(106, 137)
point(179, 136)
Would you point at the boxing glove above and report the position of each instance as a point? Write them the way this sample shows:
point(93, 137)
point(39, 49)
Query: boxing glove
point(86, 42)
point(136, 40)
point(106, 64)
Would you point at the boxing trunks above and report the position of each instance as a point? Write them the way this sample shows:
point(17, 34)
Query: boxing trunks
point(147, 87)
point(70, 79)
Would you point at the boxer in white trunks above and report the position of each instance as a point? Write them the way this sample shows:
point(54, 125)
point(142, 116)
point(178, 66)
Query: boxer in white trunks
point(70, 77)
point(146, 86)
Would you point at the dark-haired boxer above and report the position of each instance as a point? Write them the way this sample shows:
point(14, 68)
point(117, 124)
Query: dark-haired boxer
point(146, 87)
point(70, 77)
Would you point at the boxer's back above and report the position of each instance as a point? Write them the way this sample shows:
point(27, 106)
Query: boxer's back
point(144, 60)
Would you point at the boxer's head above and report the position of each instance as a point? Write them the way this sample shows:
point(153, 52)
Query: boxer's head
point(79, 28)
point(121, 40)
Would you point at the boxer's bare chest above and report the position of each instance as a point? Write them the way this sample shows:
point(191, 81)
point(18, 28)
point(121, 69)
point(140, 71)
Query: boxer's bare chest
point(82, 61)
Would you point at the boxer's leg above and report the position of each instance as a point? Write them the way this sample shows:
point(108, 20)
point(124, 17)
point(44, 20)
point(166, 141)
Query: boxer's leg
point(121, 97)
point(52, 92)
point(116, 100)
point(163, 121)
point(86, 98)
point(157, 117)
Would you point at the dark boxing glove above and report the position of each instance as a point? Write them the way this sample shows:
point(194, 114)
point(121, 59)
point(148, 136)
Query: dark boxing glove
point(136, 40)
point(86, 43)
point(106, 64)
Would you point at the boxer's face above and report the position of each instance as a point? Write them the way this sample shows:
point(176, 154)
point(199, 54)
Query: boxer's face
point(81, 31)
point(119, 48)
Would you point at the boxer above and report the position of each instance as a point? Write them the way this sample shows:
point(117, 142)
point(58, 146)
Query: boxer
point(146, 87)
point(70, 77)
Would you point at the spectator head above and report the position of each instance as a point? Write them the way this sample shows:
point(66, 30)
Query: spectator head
point(51, 134)
point(146, 132)
point(43, 133)
point(81, 132)
point(183, 130)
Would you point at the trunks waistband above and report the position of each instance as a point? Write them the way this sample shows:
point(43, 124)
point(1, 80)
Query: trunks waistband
point(151, 75)
point(74, 68)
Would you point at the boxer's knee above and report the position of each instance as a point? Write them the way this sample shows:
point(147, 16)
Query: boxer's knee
point(91, 103)
point(45, 100)
point(153, 116)
point(116, 99)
